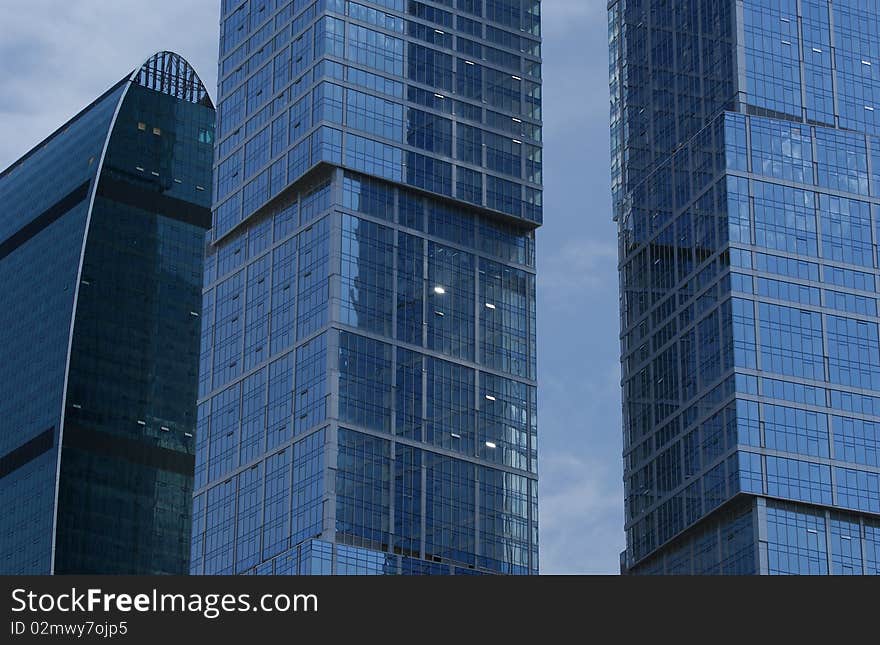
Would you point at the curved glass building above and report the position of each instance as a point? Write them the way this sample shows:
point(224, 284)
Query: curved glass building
point(367, 386)
point(101, 237)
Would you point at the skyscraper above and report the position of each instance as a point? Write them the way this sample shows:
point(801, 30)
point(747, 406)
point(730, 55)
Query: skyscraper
point(101, 239)
point(746, 182)
point(367, 380)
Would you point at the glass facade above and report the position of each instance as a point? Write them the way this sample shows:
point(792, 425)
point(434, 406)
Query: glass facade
point(101, 271)
point(744, 190)
point(367, 392)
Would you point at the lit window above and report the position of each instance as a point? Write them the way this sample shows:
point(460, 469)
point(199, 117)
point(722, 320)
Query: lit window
point(157, 131)
point(142, 125)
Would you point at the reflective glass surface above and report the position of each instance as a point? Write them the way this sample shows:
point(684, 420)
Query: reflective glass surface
point(748, 267)
point(128, 434)
point(395, 239)
point(100, 370)
point(38, 269)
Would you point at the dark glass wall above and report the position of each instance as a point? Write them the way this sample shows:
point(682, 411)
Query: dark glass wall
point(100, 338)
point(41, 235)
point(127, 460)
point(673, 68)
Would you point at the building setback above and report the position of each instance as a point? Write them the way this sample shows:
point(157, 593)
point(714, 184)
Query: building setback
point(745, 161)
point(101, 239)
point(367, 380)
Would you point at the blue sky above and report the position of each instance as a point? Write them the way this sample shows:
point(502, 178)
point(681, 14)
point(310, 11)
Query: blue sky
point(56, 57)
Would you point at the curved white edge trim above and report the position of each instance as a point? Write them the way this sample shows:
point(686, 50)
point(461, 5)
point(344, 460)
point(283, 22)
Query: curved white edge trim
point(132, 79)
point(93, 193)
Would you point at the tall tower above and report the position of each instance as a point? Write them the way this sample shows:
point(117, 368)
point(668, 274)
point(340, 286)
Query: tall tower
point(367, 382)
point(101, 240)
point(745, 161)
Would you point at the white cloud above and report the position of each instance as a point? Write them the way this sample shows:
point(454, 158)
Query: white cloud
point(582, 265)
point(575, 48)
point(580, 515)
point(57, 57)
point(559, 15)
point(580, 465)
point(579, 426)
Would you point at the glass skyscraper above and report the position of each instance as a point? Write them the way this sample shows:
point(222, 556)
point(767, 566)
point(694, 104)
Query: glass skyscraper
point(367, 379)
point(101, 239)
point(746, 182)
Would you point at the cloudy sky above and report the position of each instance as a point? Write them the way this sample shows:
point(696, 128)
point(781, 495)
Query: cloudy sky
point(57, 56)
